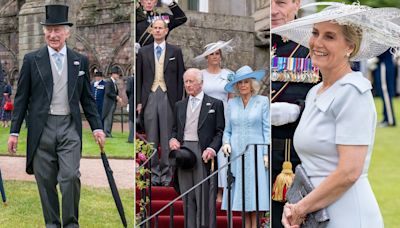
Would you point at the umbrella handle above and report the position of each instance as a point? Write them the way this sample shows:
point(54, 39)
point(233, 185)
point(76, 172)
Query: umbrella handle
point(212, 165)
point(101, 148)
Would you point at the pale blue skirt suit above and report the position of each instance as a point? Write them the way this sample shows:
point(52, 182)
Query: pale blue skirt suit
point(248, 125)
point(344, 114)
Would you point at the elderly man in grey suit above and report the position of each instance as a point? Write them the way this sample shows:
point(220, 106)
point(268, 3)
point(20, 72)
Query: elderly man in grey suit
point(159, 84)
point(199, 125)
point(53, 81)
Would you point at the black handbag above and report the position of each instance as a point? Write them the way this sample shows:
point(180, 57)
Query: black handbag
point(301, 187)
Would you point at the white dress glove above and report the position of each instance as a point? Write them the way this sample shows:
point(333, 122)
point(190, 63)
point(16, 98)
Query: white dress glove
point(167, 2)
point(266, 161)
point(226, 149)
point(283, 113)
point(137, 47)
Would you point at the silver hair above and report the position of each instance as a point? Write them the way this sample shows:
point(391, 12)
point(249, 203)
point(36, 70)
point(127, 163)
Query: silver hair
point(197, 72)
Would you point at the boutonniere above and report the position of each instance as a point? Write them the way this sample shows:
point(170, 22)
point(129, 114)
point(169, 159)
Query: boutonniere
point(76, 63)
point(208, 104)
point(285, 39)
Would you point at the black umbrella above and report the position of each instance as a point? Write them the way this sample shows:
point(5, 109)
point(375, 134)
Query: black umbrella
point(3, 193)
point(113, 187)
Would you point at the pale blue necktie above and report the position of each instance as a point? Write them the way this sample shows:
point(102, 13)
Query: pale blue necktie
point(158, 52)
point(195, 102)
point(58, 61)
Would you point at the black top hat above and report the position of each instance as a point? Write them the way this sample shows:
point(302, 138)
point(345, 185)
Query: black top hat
point(115, 70)
point(56, 15)
point(98, 74)
point(183, 158)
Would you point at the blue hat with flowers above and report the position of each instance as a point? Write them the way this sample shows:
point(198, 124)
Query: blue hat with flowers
point(243, 73)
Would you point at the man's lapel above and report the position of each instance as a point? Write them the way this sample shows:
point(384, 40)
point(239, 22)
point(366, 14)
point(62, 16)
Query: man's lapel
point(74, 66)
point(205, 108)
point(168, 54)
point(182, 113)
point(152, 59)
point(42, 61)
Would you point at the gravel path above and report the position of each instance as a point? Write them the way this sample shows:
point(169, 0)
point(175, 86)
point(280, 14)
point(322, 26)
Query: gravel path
point(92, 171)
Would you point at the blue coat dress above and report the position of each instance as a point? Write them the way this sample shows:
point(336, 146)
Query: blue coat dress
point(248, 125)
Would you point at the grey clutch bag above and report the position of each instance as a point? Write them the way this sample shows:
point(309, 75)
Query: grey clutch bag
point(301, 186)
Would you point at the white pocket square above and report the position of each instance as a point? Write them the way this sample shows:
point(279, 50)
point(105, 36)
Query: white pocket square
point(211, 111)
point(81, 72)
point(173, 58)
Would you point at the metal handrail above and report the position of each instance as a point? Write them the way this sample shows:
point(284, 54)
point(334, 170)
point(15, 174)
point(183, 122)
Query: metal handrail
point(200, 183)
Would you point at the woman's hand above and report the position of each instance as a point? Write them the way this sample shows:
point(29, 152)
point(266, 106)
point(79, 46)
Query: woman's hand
point(292, 217)
point(266, 161)
point(226, 149)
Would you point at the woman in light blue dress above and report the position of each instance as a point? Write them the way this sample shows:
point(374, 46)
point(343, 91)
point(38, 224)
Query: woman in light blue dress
point(335, 135)
point(247, 122)
point(215, 79)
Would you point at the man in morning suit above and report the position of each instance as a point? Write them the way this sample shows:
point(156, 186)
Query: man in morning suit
point(111, 98)
point(53, 81)
point(159, 81)
point(199, 124)
point(98, 87)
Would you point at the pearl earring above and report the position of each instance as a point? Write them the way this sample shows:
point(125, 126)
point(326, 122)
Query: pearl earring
point(348, 54)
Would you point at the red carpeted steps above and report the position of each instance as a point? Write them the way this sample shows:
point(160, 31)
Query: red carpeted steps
point(161, 196)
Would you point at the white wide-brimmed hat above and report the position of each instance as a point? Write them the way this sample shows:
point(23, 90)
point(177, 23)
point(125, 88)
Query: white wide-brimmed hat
point(242, 73)
point(379, 27)
point(213, 47)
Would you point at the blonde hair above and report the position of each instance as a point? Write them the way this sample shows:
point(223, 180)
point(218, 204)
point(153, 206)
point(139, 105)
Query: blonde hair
point(353, 36)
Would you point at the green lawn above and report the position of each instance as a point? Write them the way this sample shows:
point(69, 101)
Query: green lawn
point(97, 207)
point(115, 147)
point(384, 173)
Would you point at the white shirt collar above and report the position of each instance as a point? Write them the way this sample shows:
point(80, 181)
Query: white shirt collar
point(63, 50)
point(162, 45)
point(199, 96)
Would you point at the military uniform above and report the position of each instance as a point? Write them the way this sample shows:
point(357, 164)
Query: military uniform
point(295, 93)
point(98, 94)
point(144, 20)
point(384, 85)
